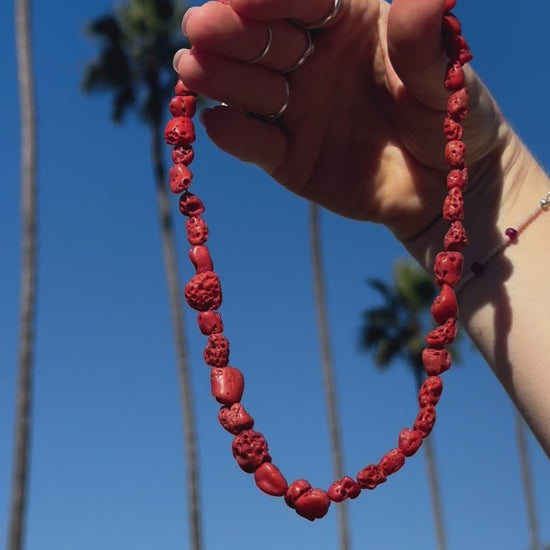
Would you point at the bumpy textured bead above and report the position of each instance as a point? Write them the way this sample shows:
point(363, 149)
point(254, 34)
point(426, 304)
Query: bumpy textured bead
point(183, 155)
point(250, 450)
point(457, 49)
point(180, 178)
point(455, 239)
point(451, 25)
point(448, 268)
point(453, 206)
point(295, 490)
point(182, 89)
point(179, 131)
point(269, 479)
point(425, 420)
point(457, 178)
point(200, 258)
point(443, 335)
point(344, 488)
point(436, 361)
point(409, 441)
point(445, 305)
point(371, 476)
point(197, 230)
point(227, 385)
point(235, 419)
point(210, 322)
point(454, 76)
point(184, 106)
point(203, 291)
point(458, 105)
point(430, 391)
point(452, 129)
point(216, 352)
point(454, 153)
point(313, 504)
point(392, 461)
point(190, 205)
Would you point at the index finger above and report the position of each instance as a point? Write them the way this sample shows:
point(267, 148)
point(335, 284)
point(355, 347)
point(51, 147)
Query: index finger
point(307, 12)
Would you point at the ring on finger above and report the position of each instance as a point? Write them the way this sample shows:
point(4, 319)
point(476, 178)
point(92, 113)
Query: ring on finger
point(279, 113)
point(326, 19)
point(309, 49)
point(267, 46)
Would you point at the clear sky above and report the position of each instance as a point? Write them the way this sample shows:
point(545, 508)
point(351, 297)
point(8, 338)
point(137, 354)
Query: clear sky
point(107, 467)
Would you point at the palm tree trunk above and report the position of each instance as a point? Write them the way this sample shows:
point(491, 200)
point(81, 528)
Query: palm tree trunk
point(173, 283)
point(433, 481)
point(327, 366)
point(521, 437)
point(22, 437)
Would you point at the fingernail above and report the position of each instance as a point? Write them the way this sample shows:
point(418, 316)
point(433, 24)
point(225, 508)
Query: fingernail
point(186, 19)
point(177, 57)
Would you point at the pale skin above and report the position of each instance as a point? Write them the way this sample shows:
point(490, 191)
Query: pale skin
point(362, 136)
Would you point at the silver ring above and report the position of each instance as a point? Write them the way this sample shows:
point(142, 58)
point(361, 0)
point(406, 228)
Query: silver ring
point(267, 46)
point(283, 107)
point(310, 48)
point(328, 18)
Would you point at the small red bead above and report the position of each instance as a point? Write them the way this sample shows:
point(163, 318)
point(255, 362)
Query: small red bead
point(344, 488)
point(451, 25)
point(458, 105)
point(227, 385)
point(457, 178)
point(183, 106)
point(182, 89)
point(436, 361)
point(180, 178)
point(190, 205)
point(454, 76)
point(430, 391)
point(371, 476)
point(449, 5)
point(409, 441)
point(210, 322)
point(442, 335)
point(448, 268)
point(313, 504)
point(453, 205)
point(295, 490)
point(216, 352)
point(197, 230)
point(392, 461)
point(250, 450)
point(235, 419)
point(511, 233)
point(444, 305)
point(183, 155)
point(455, 239)
point(454, 153)
point(453, 130)
point(269, 479)
point(179, 131)
point(200, 258)
point(425, 420)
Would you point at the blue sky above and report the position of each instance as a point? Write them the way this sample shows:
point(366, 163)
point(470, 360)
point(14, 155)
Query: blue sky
point(107, 452)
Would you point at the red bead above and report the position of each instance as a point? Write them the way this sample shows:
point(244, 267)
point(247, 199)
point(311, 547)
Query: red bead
point(443, 335)
point(344, 488)
point(190, 205)
point(295, 490)
point(392, 461)
point(210, 322)
point(313, 504)
point(453, 130)
point(197, 230)
point(455, 239)
point(454, 76)
point(448, 268)
point(436, 361)
point(180, 178)
point(371, 476)
point(451, 25)
point(457, 178)
point(458, 105)
point(449, 5)
point(445, 305)
point(511, 233)
point(183, 154)
point(250, 450)
point(200, 258)
point(203, 292)
point(216, 352)
point(409, 441)
point(182, 89)
point(183, 106)
point(227, 385)
point(179, 131)
point(453, 205)
point(430, 391)
point(454, 153)
point(269, 479)
point(425, 420)
point(235, 419)
point(457, 49)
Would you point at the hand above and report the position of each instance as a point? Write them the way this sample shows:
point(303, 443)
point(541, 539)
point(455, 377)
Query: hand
point(362, 134)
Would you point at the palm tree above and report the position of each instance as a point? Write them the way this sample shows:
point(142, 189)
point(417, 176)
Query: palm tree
point(22, 438)
point(327, 366)
point(396, 330)
point(137, 43)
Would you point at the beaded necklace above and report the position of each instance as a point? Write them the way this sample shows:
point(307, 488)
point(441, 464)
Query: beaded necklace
point(203, 293)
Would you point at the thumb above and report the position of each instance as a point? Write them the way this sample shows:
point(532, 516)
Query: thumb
point(415, 49)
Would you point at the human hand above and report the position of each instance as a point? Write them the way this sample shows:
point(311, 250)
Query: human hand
point(362, 134)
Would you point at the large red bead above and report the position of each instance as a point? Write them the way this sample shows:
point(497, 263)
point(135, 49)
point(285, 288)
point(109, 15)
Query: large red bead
point(197, 230)
point(190, 205)
point(180, 178)
point(250, 450)
point(453, 205)
point(295, 490)
point(452, 129)
point(203, 292)
point(455, 239)
point(436, 361)
point(227, 385)
point(457, 178)
point(371, 476)
point(344, 488)
point(183, 106)
point(454, 153)
point(442, 335)
point(183, 155)
point(216, 352)
point(425, 420)
point(392, 461)
point(269, 479)
point(430, 391)
point(445, 305)
point(458, 105)
point(454, 76)
point(313, 504)
point(210, 322)
point(235, 419)
point(409, 441)
point(448, 268)
point(179, 131)
point(200, 258)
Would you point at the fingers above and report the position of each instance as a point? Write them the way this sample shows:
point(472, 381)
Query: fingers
point(416, 27)
point(246, 138)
